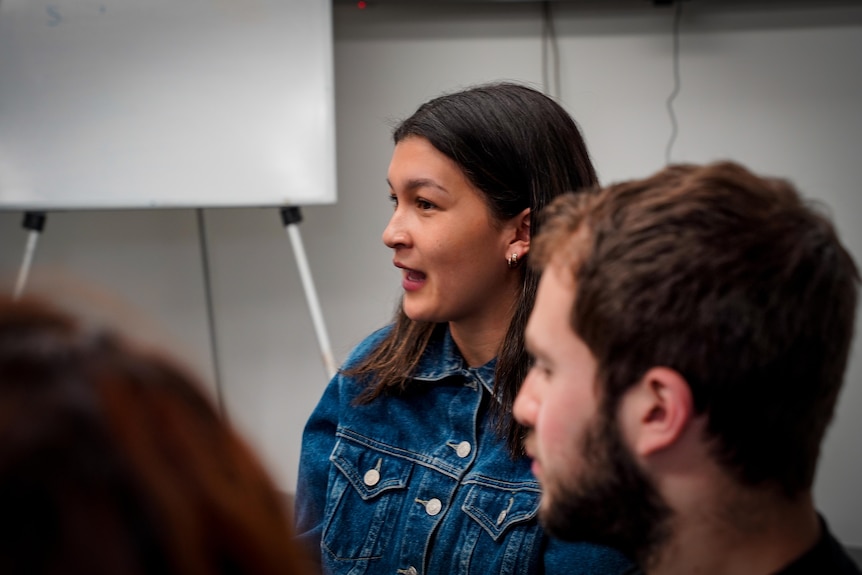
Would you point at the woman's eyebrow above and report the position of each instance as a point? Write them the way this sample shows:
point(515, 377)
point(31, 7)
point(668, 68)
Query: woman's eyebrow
point(414, 184)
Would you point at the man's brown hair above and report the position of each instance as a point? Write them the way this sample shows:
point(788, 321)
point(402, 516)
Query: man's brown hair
point(733, 281)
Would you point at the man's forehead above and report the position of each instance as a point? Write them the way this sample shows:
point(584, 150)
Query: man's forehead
point(556, 292)
point(563, 269)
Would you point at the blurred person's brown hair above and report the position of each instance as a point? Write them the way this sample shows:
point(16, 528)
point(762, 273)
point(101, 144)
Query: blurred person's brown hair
point(112, 460)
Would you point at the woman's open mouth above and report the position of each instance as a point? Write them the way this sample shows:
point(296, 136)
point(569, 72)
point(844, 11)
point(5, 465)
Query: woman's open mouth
point(413, 280)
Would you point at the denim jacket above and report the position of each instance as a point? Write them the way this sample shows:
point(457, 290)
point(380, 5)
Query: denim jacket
point(421, 484)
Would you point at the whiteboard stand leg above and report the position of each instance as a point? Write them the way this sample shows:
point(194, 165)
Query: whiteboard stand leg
point(210, 309)
point(35, 222)
point(290, 217)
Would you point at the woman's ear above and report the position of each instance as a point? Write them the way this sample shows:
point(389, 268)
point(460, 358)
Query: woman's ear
point(657, 411)
point(521, 237)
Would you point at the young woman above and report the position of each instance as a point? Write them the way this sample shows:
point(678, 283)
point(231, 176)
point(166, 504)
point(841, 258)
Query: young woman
point(411, 462)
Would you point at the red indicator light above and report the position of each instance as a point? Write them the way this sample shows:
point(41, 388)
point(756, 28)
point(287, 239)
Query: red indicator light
point(362, 4)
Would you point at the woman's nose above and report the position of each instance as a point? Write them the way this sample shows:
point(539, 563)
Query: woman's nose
point(395, 233)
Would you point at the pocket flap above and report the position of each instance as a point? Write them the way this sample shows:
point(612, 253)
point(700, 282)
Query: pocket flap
point(496, 508)
point(370, 471)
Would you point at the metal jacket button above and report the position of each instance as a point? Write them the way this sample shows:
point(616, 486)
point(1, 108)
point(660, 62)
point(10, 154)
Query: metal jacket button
point(433, 507)
point(371, 478)
point(464, 448)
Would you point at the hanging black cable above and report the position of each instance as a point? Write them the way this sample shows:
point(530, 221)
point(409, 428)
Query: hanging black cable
point(674, 129)
point(550, 64)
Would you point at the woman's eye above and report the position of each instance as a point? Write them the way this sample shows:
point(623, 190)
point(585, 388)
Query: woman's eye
point(424, 204)
point(394, 200)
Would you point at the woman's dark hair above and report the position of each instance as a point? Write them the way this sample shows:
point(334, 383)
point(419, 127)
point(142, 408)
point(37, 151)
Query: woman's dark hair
point(113, 461)
point(520, 149)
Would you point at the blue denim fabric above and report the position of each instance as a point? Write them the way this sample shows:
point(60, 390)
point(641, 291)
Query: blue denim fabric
point(421, 483)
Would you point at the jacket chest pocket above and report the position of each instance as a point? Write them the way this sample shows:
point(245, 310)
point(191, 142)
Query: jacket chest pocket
point(507, 536)
point(496, 508)
point(366, 493)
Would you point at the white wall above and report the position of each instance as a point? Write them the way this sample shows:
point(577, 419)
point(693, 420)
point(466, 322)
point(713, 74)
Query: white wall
point(777, 89)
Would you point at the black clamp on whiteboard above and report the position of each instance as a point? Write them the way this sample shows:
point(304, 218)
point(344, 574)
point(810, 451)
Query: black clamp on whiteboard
point(35, 223)
point(290, 217)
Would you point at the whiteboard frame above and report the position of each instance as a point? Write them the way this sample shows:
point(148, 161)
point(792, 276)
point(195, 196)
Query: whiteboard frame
point(113, 104)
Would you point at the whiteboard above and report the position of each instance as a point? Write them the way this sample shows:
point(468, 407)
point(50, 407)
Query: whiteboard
point(166, 103)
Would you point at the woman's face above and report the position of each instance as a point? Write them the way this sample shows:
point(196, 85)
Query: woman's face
point(451, 252)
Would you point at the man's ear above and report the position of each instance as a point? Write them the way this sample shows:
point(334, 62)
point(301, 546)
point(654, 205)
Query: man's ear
point(657, 410)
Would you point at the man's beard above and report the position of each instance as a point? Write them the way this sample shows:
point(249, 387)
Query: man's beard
point(612, 502)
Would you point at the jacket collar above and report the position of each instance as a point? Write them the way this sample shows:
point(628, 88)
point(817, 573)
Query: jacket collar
point(443, 359)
